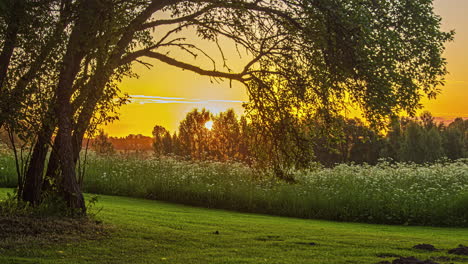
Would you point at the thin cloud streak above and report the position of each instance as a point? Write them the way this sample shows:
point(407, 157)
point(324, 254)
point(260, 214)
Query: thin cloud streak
point(153, 97)
point(147, 99)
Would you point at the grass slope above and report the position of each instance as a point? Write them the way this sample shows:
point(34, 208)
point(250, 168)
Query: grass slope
point(156, 232)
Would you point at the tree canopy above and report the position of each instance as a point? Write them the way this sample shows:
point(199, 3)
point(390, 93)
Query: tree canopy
point(62, 61)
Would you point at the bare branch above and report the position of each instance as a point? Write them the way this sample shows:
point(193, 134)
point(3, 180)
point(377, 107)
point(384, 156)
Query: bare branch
point(177, 20)
point(183, 65)
point(256, 7)
point(187, 48)
point(129, 31)
point(170, 32)
point(146, 64)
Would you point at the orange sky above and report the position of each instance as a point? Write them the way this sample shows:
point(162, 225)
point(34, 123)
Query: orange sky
point(164, 94)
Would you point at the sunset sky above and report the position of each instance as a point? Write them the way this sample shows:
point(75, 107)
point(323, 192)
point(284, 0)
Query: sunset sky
point(164, 94)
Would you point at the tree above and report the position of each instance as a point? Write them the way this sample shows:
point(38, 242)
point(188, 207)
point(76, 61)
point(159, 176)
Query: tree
point(455, 139)
point(27, 86)
point(353, 57)
point(422, 140)
point(414, 148)
point(306, 57)
point(245, 143)
point(102, 145)
point(168, 144)
point(176, 146)
point(193, 135)
point(434, 146)
point(421, 143)
point(365, 143)
point(224, 143)
point(427, 120)
point(162, 141)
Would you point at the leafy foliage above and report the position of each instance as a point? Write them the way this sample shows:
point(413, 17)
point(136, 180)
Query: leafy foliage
point(193, 135)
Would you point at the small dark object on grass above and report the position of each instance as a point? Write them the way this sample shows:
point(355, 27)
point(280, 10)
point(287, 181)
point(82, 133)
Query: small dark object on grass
point(427, 247)
point(269, 238)
point(306, 243)
point(461, 250)
point(412, 260)
point(216, 232)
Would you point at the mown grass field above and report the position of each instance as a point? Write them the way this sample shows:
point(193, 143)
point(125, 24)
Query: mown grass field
point(146, 231)
point(406, 194)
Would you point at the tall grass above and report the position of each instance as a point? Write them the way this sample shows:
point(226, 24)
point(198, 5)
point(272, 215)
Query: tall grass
point(8, 174)
point(432, 194)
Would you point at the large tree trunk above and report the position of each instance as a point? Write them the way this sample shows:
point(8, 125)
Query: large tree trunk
point(82, 34)
point(67, 183)
point(32, 189)
point(79, 132)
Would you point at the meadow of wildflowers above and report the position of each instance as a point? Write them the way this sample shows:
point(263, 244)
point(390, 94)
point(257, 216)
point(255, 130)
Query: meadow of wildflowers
point(399, 193)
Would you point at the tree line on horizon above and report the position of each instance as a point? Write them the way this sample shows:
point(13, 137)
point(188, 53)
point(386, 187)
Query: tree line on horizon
point(419, 140)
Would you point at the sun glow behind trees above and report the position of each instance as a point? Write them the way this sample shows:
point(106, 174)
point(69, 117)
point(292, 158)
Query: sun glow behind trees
point(173, 82)
point(209, 125)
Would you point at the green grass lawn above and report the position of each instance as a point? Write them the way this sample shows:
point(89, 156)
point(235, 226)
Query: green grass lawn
point(148, 231)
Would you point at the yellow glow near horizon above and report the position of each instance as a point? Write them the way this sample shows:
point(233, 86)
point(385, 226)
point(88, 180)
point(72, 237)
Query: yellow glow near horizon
point(453, 100)
point(178, 91)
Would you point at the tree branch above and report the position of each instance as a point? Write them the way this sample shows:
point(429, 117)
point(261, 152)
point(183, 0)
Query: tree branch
point(255, 7)
point(177, 20)
point(185, 66)
point(129, 31)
